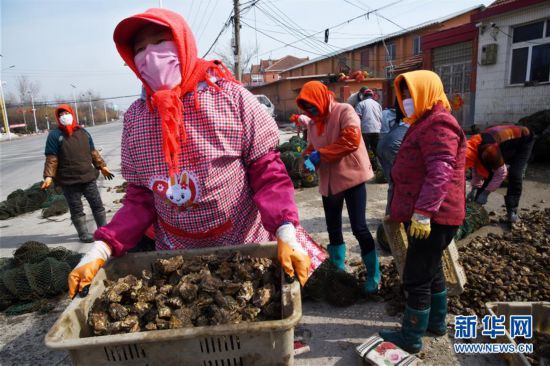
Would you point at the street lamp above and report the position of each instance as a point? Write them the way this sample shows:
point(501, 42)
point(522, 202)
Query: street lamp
point(4, 111)
point(75, 104)
point(91, 109)
point(33, 111)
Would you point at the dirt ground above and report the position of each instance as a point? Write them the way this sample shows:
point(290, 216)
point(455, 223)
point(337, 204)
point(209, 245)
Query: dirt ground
point(332, 333)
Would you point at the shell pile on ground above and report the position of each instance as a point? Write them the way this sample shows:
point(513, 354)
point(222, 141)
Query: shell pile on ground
point(179, 293)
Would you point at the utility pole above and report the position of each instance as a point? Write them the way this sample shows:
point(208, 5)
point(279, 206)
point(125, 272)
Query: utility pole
point(75, 103)
point(33, 112)
point(91, 108)
point(4, 110)
point(237, 45)
point(105, 109)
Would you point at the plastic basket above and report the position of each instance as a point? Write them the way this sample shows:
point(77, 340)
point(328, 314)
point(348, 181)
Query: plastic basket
point(247, 343)
point(398, 243)
point(541, 323)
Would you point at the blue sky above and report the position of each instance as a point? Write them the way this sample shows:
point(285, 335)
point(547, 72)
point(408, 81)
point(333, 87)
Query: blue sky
point(63, 42)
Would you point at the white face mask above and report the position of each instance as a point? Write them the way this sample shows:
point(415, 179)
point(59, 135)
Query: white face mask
point(66, 119)
point(408, 105)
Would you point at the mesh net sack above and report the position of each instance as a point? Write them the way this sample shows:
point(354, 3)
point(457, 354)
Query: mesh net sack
point(31, 199)
point(34, 273)
point(476, 217)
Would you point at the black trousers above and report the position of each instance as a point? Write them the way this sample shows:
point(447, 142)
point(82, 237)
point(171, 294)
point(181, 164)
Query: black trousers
point(518, 166)
point(423, 274)
point(356, 203)
point(73, 193)
point(371, 141)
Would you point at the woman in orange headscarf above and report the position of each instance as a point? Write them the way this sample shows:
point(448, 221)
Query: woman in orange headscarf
point(428, 196)
point(338, 151)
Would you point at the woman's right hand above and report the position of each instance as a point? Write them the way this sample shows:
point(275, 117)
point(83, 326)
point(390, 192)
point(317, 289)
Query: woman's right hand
point(83, 274)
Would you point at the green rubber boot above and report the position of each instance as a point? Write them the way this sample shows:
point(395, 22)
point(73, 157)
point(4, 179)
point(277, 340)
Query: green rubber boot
point(373, 272)
point(337, 255)
point(437, 323)
point(409, 337)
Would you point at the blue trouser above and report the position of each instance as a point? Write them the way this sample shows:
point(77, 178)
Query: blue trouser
point(356, 203)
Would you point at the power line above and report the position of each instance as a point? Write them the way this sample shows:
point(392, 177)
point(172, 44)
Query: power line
point(337, 25)
point(295, 28)
point(224, 27)
point(278, 40)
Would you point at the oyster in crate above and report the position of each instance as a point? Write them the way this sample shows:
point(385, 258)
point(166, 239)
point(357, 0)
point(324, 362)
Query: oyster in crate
point(181, 293)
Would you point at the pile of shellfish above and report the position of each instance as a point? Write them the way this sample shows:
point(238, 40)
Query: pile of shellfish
point(181, 292)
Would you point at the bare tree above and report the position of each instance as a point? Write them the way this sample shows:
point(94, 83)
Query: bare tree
point(26, 86)
point(226, 56)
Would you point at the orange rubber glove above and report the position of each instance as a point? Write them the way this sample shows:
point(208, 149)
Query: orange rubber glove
point(83, 274)
point(293, 258)
point(46, 183)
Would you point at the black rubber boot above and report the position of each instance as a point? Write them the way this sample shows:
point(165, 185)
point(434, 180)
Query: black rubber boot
point(100, 218)
point(82, 230)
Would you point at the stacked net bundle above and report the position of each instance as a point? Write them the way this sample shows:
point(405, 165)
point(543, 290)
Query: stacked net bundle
point(291, 155)
point(31, 199)
point(35, 273)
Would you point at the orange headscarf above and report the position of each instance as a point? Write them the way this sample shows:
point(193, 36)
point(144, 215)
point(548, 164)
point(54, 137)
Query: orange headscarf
point(426, 91)
point(317, 94)
point(67, 129)
point(193, 71)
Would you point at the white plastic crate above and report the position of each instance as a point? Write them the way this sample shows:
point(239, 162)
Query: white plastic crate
point(247, 343)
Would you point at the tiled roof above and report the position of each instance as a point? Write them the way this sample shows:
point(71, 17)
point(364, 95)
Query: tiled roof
point(285, 63)
point(410, 64)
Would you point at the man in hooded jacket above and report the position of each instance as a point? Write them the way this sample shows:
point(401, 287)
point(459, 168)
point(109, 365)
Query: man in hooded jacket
point(72, 162)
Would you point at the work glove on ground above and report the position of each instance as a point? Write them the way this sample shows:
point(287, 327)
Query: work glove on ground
point(472, 195)
point(83, 274)
point(293, 258)
point(46, 183)
point(420, 226)
point(482, 197)
point(107, 173)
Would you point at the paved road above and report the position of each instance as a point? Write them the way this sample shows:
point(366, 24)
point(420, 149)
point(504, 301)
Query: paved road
point(22, 160)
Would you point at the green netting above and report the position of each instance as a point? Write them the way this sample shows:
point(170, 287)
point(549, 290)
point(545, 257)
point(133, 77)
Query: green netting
point(31, 199)
point(291, 155)
point(476, 217)
point(33, 274)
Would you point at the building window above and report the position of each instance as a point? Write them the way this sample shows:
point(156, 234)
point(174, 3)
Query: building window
point(416, 45)
point(365, 55)
point(257, 78)
point(390, 53)
point(530, 53)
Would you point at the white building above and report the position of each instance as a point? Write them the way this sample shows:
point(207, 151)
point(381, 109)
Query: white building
point(513, 72)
